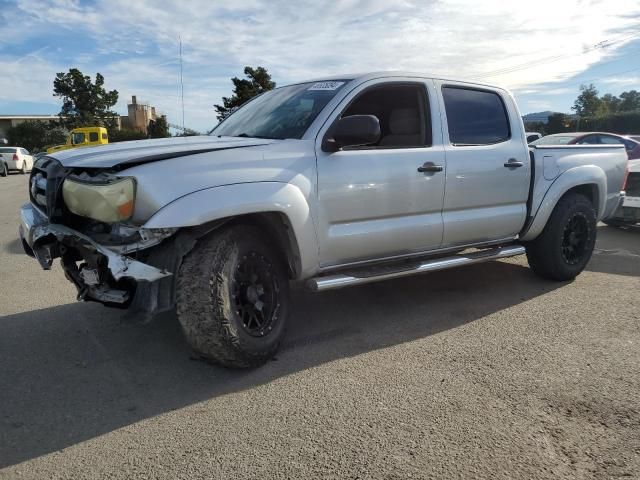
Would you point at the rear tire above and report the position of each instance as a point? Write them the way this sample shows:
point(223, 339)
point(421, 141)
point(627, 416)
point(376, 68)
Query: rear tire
point(4, 171)
point(564, 247)
point(233, 297)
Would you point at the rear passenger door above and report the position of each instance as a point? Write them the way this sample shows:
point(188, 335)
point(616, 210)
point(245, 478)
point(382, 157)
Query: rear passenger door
point(488, 166)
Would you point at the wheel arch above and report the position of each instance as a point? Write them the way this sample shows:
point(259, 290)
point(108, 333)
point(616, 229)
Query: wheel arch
point(276, 226)
point(588, 180)
point(279, 209)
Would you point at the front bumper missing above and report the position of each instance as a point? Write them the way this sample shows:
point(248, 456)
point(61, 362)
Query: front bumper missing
point(46, 241)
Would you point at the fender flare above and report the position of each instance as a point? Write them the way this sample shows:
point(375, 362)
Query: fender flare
point(585, 175)
point(216, 203)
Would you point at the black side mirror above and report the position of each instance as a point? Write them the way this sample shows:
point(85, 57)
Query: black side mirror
point(352, 131)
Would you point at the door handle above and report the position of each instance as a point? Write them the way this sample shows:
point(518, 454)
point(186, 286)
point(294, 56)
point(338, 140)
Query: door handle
point(513, 163)
point(430, 167)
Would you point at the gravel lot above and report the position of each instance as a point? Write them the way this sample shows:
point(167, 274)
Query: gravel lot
point(482, 372)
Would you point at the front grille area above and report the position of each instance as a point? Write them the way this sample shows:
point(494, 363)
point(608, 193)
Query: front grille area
point(45, 181)
point(632, 187)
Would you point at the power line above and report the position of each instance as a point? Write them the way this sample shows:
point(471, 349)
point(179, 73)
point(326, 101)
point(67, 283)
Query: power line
point(555, 58)
point(600, 64)
point(603, 76)
point(592, 79)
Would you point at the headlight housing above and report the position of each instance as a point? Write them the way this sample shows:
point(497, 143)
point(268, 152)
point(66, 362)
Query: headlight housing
point(108, 202)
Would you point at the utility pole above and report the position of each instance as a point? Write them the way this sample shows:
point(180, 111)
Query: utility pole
point(181, 83)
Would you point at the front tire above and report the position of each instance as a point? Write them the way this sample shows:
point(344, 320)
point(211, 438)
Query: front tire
point(233, 297)
point(23, 170)
point(564, 247)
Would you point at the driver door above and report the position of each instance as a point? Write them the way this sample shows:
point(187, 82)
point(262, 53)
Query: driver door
point(373, 203)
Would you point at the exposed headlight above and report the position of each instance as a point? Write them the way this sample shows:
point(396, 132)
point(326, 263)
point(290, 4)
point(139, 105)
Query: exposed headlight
point(106, 202)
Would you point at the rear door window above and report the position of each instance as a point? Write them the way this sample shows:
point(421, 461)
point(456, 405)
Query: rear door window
point(93, 136)
point(475, 117)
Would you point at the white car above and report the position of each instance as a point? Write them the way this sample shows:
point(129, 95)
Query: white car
point(15, 158)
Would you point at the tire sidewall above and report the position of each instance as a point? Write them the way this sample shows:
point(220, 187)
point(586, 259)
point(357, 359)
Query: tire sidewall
point(579, 207)
point(267, 344)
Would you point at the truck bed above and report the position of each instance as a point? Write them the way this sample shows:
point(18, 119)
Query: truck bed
point(551, 161)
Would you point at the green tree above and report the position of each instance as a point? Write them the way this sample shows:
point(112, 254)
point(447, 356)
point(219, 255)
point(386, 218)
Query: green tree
point(35, 135)
point(558, 123)
point(125, 134)
point(158, 128)
point(609, 104)
point(588, 103)
point(84, 103)
point(258, 81)
point(629, 101)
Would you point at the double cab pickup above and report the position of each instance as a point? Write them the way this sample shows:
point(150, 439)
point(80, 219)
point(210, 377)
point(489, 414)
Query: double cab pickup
point(335, 182)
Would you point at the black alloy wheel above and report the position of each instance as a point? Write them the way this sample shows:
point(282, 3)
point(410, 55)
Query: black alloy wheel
point(575, 238)
point(255, 293)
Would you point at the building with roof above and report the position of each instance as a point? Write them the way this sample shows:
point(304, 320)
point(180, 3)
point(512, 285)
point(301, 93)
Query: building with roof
point(139, 115)
point(8, 121)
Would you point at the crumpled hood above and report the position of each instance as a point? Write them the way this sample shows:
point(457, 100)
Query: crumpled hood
point(145, 151)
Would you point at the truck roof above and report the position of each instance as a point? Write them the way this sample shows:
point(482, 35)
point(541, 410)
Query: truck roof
point(362, 77)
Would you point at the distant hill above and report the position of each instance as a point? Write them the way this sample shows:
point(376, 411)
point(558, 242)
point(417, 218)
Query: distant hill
point(538, 116)
point(542, 116)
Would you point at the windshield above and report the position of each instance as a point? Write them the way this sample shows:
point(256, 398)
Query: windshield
point(553, 140)
point(7, 150)
point(285, 112)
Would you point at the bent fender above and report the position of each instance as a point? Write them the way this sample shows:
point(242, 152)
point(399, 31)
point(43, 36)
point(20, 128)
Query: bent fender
point(225, 201)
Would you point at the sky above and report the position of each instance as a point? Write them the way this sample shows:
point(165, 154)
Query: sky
point(542, 50)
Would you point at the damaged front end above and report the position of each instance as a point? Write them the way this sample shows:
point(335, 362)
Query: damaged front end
point(107, 259)
point(98, 272)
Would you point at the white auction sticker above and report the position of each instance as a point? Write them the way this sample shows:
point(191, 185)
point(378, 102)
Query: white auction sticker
point(326, 86)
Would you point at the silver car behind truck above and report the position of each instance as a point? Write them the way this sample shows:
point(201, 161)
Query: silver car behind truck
point(336, 182)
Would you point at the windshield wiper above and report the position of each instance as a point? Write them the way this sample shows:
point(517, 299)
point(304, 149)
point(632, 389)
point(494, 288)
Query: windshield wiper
point(246, 135)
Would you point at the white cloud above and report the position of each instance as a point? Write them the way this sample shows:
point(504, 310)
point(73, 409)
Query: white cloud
point(298, 40)
point(624, 81)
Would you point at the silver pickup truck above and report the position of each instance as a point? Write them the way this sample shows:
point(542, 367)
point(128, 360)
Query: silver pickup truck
point(335, 182)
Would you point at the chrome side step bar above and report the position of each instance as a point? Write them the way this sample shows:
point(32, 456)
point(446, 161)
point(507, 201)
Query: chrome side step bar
point(340, 280)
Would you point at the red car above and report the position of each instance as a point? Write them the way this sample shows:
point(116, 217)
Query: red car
point(631, 143)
